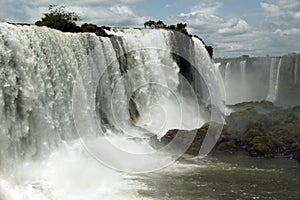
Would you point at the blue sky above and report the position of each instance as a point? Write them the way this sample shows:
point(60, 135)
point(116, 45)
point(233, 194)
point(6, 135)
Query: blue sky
point(232, 27)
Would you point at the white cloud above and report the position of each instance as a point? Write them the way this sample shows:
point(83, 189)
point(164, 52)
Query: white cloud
point(228, 37)
point(270, 8)
point(201, 17)
point(207, 7)
point(118, 15)
point(281, 26)
point(294, 31)
point(276, 34)
point(101, 12)
point(234, 27)
point(85, 3)
point(282, 9)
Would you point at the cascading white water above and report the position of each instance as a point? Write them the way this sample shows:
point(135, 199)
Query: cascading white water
point(227, 85)
point(261, 79)
point(148, 64)
point(227, 72)
point(296, 71)
point(38, 67)
point(40, 154)
point(271, 91)
point(274, 80)
point(243, 65)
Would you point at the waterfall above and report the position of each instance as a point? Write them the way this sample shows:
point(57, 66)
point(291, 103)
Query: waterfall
point(227, 79)
point(271, 96)
point(243, 65)
point(274, 80)
point(296, 71)
point(260, 80)
point(41, 156)
point(227, 72)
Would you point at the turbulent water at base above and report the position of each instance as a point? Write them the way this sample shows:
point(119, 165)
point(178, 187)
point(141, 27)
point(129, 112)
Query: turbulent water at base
point(224, 177)
point(41, 155)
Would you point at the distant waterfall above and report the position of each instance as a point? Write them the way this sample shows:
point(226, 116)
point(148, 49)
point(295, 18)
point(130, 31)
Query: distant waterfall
point(227, 78)
point(243, 65)
point(271, 91)
point(227, 72)
point(263, 76)
point(296, 71)
point(274, 80)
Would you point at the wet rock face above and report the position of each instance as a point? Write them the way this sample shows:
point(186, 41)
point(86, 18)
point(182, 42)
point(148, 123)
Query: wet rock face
point(183, 136)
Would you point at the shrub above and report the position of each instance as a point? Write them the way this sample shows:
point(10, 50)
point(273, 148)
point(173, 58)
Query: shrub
point(60, 19)
point(250, 134)
point(180, 27)
point(91, 28)
point(227, 146)
point(261, 149)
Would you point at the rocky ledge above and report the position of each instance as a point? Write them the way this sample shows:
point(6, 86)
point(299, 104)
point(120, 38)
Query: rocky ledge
point(258, 128)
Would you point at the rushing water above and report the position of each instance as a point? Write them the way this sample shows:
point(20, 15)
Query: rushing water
point(64, 108)
point(274, 80)
point(296, 71)
point(227, 72)
point(243, 65)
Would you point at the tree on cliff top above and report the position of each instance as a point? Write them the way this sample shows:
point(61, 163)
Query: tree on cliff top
point(160, 24)
point(60, 19)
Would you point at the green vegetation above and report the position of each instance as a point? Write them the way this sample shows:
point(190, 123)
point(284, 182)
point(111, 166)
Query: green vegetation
point(180, 27)
point(60, 19)
point(252, 133)
point(159, 24)
point(91, 28)
point(262, 145)
point(259, 128)
point(262, 129)
point(153, 24)
point(228, 146)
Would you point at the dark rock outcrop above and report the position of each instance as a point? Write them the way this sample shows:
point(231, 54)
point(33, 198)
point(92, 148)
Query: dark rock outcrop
point(256, 132)
point(193, 149)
